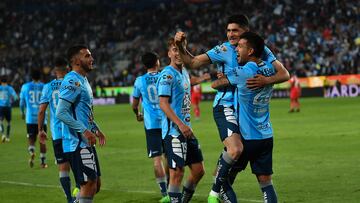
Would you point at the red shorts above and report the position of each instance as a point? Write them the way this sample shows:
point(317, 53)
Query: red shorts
point(294, 93)
point(195, 98)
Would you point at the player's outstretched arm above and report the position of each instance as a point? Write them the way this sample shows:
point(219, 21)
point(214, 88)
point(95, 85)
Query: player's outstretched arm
point(135, 107)
point(166, 108)
point(188, 59)
point(221, 82)
point(197, 80)
point(41, 117)
point(260, 81)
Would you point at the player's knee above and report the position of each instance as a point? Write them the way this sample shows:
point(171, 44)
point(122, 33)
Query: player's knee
point(98, 185)
point(264, 179)
point(235, 151)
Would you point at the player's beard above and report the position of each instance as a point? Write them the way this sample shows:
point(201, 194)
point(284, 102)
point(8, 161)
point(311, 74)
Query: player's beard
point(87, 67)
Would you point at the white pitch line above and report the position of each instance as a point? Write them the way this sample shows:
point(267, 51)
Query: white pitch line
point(102, 188)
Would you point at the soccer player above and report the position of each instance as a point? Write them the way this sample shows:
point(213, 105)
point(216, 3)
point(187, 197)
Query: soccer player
point(224, 56)
point(181, 147)
point(30, 100)
point(145, 88)
point(253, 110)
point(295, 93)
point(75, 110)
point(195, 99)
point(7, 97)
point(50, 97)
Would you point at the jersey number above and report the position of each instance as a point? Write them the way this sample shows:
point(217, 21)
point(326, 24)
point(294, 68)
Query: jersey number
point(152, 93)
point(34, 96)
point(55, 98)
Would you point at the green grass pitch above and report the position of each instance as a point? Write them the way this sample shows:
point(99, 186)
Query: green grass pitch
point(316, 157)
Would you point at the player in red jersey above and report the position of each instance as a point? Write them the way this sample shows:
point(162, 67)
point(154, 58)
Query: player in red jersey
point(295, 93)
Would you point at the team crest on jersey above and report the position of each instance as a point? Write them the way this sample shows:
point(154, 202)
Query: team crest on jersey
point(77, 84)
point(223, 48)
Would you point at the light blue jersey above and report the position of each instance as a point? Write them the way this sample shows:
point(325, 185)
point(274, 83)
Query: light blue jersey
point(30, 99)
point(176, 86)
point(253, 105)
point(76, 92)
point(225, 57)
point(145, 87)
point(50, 96)
point(7, 95)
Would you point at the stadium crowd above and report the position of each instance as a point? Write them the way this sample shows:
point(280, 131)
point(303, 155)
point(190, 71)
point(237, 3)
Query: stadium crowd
point(310, 37)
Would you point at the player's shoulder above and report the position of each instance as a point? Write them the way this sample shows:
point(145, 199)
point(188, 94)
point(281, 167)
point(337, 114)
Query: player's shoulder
point(168, 70)
point(223, 48)
point(72, 78)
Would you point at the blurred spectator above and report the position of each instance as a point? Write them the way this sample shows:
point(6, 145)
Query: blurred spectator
point(310, 37)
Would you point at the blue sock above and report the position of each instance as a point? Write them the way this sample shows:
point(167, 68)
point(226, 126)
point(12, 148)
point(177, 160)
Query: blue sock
point(8, 131)
point(174, 194)
point(227, 193)
point(163, 186)
point(188, 191)
point(66, 184)
point(224, 166)
point(269, 193)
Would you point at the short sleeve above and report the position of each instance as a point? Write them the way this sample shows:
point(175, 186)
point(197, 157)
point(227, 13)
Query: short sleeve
point(268, 55)
point(137, 87)
point(216, 54)
point(165, 82)
point(70, 89)
point(44, 95)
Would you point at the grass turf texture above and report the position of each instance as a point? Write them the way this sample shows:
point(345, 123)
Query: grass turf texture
point(316, 157)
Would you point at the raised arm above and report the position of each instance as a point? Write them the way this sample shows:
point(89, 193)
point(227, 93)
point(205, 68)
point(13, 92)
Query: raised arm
point(188, 59)
point(166, 108)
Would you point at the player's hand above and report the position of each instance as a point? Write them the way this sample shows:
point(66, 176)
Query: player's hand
point(257, 82)
point(186, 131)
point(90, 137)
point(206, 76)
point(42, 137)
point(180, 39)
point(220, 75)
point(101, 137)
point(139, 117)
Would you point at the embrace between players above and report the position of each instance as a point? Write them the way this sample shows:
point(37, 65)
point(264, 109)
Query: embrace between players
point(246, 72)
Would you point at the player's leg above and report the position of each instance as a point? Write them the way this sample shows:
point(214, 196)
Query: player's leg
point(175, 150)
point(85, 167)
point(31, 136)
point(297, 104)
point(42, 150)
point(195, 101)
point(8, 122)
point(227, 193)
point(2, 115)
point(195, 161)
point(64, 169)
point(229, 133)
point(155, 151)
point(261, 166)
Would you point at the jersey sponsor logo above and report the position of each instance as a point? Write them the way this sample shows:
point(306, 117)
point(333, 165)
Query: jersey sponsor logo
point(77, 84)
point(185, 109)
point(70, 88)
point(223, 48)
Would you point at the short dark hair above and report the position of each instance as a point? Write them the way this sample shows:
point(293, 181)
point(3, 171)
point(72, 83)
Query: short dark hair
point(149, 59)
point(240, 19)
point(254, 41)
point(72, 51)
point(35, 74)
point(60, 64)
point(3, 78)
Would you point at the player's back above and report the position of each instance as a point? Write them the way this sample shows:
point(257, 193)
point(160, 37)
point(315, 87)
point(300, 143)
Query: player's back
point(253, 105)
point(50, 95)
point(7, 95)
point(146, 85)
point(30, 94)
